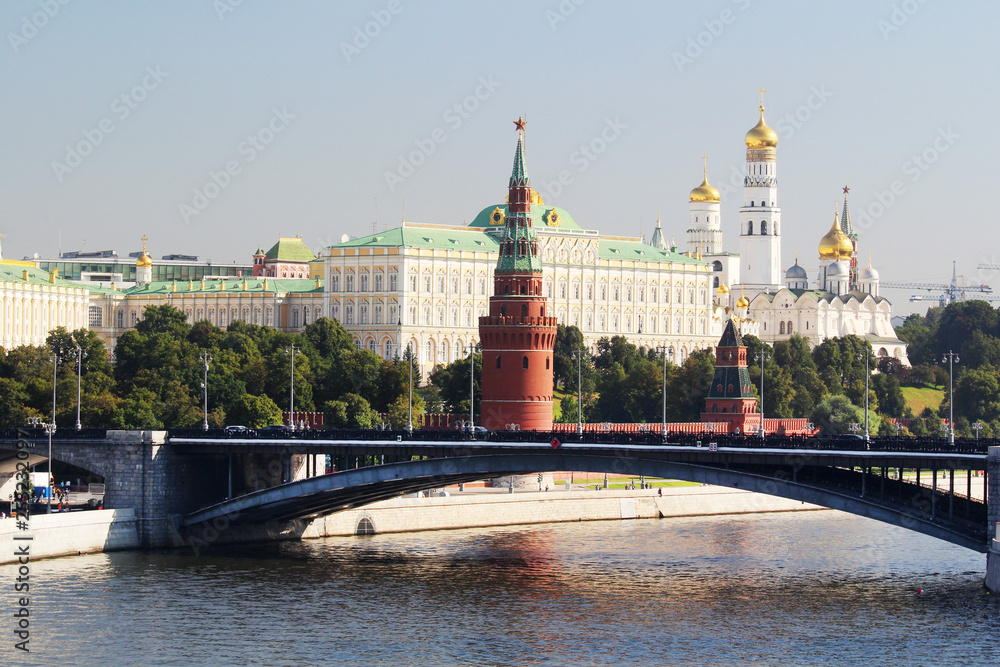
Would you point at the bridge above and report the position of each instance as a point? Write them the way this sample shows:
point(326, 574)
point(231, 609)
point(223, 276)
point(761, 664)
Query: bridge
point(184, 483)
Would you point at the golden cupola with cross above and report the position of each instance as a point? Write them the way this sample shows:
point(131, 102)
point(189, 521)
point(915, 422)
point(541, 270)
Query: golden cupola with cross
point(144, 266)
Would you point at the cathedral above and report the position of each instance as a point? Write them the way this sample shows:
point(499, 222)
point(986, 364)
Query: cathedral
point(840, 300)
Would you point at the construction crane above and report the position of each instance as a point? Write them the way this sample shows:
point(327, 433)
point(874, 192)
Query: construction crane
point(989, 267)
point(949, 292)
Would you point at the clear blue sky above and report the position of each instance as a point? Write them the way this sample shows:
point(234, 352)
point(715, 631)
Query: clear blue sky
point(886, 80)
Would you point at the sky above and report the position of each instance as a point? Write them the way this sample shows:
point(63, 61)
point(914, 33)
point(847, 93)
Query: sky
point(215, 126)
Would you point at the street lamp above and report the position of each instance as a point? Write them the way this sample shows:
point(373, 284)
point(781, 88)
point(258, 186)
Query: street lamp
point(764, 357)
point(578, 356)
point(80, 354)
point(472, 389)
point(291, 351)
point(864, 353)
point(952, 359)
point(977, 427)
point(409, 413)
point(663, 348)
point(205, 359)
point(51, 428)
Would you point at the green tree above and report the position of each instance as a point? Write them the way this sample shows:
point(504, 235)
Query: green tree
point(452, 381)
point(350, 411)
point(400, 409)
point(835, 414)
point(255, 411)
point(960, 321)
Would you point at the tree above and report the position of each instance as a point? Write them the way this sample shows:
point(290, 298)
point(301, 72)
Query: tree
point(400, 409)
point(255, 411)
point(889, 395)
point(835, 414)
point(960, 321)
point(351, 411)
point(163, 319)
point(452, 382)
point(568, 340)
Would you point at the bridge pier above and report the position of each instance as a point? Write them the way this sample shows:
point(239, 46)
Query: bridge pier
point(993, 514)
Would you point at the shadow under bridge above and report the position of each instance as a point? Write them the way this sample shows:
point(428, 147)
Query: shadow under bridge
point(884, 499)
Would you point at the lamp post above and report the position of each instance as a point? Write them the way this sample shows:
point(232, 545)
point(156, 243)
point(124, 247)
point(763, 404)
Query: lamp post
point(50, 429)
point(205, 359)
point(663, 429)
point(952, 359)
point(977, 427)
point(472, 389)
point(864, 353)
point(764, 356)
point(578, 356)
point(291, 351)
point(80, 354)
point(409, 413)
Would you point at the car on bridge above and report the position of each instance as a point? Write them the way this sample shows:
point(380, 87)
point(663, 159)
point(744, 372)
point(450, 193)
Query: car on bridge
point(236, 429)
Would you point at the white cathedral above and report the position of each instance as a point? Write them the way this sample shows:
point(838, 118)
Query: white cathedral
point(842, 300)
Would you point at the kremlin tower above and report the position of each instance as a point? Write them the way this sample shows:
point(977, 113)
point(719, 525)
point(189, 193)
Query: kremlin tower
point(760, 216)
point(517, 337)
point(731, 398)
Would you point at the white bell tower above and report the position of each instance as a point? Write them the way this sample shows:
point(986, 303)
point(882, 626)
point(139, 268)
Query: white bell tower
point(760, 216)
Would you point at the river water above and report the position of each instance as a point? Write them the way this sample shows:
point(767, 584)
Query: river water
point(819, 588)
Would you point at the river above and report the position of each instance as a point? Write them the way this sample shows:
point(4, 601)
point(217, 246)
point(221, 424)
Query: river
point(812, 588)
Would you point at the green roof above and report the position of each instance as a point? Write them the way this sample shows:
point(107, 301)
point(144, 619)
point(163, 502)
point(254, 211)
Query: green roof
point(14, 273)
point(254, 285)
point(635, 250)
point(439, 238)
point(290, 250)
point(518, 175)
point(541, 216)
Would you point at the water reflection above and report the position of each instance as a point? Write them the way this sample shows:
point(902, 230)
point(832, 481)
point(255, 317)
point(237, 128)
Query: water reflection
point(817, 588)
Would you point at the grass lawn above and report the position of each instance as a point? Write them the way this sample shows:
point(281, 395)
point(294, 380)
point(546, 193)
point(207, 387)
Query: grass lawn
point(919, 398)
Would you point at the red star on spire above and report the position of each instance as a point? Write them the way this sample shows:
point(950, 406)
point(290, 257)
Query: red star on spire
point(519, 124)
point(846, 189)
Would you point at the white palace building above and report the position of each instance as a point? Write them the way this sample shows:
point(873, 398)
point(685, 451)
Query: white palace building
point(425, 285)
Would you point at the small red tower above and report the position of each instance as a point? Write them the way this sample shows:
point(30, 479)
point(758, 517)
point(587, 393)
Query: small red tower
point(518, 337)
point(731, 398)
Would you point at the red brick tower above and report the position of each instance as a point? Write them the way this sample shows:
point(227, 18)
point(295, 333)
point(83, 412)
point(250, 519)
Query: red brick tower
point(731, 398)
point(517, 337)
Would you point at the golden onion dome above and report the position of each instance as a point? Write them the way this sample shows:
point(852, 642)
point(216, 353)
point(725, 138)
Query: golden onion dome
point(743, 302)
point(760, 135)
point(144, 260)
point(836, 244)
point(722, 288)
point(705, 192)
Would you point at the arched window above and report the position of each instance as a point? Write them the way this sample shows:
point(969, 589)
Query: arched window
point(524, 310)
point(498, 361)
point(750, 229)
point(781, 328)
point(763, 228)
point(524, 362)
point(546, 363)
point(789, 329)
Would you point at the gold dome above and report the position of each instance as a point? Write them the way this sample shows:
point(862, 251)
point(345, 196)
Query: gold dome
point(760, 135)
point(722, 289)
point(144, 259)
point(705, 192)
point(836, 244)
point(743, 302)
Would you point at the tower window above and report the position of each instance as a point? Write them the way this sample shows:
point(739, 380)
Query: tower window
point(546, 363)
point(524, 310)
point(750, 229)
point(763, 228)
point(498, 361)
point(524, 363)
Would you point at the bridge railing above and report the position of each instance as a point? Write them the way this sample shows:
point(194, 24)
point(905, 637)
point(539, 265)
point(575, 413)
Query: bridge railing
point(648, 437)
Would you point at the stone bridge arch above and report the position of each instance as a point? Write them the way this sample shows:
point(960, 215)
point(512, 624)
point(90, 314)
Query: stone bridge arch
point(297, 502)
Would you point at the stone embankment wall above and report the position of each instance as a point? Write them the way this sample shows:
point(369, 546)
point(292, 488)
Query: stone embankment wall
point(993, 512)
point(70, 533)
point(473, 510)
